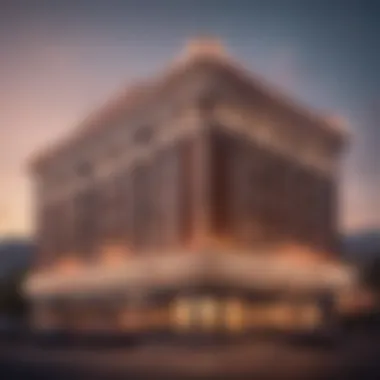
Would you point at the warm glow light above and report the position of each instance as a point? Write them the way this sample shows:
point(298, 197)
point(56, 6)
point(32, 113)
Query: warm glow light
point(113, 254)
point(208, 313)
point(311, 316)
point(299, 254)
point(181, 313)
point(234, 314)
point(68, 264)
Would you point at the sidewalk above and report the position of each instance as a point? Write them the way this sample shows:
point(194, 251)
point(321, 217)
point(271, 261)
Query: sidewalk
point(261, 359)
point(180, 361)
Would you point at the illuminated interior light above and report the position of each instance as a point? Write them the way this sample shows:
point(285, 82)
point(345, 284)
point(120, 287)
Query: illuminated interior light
point(181, 314)
point(208, 309)
point(311, 316)
point(69, 264)
point(281, 315)
point(234, 310)
point(113, 254)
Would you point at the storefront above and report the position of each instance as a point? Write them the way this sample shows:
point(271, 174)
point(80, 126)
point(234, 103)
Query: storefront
point(185, 295)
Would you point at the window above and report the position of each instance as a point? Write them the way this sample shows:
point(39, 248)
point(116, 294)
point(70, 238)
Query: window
point(208, 313)
point(234, 309)
point(143, 135)
point(84, 169)
point(182, 314)
point(185, 183)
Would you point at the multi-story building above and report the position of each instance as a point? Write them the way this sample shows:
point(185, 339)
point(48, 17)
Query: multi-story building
point(191, 196)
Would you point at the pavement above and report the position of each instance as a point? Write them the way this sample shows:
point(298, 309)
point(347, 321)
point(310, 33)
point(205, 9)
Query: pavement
point(355, 358)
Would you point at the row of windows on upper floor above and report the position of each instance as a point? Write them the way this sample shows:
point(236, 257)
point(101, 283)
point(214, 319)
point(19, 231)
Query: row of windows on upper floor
point(113, 149)
point(83, 167)
point(114, 144)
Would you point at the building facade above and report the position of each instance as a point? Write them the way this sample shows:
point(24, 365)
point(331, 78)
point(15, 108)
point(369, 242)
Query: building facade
point(177, 196)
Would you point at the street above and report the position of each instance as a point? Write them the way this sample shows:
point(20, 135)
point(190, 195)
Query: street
point(355, 358)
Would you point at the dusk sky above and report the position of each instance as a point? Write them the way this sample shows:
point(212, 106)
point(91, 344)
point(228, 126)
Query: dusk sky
point(61, 59)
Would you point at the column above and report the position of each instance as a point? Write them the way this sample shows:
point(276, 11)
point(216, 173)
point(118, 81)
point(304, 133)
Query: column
point(201, 188)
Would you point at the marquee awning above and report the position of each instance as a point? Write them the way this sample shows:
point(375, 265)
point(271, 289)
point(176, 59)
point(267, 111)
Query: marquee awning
point(177, 270)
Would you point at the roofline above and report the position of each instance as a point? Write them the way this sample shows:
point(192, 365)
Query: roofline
point(95, 120)
point(92, 123)
point(333, 124)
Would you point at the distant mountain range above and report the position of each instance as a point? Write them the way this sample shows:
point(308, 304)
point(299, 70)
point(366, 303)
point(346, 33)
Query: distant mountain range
point(15, 254)
point(363, 246)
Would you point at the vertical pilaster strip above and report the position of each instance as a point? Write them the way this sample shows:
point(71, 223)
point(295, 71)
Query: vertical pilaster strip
point(202, 188)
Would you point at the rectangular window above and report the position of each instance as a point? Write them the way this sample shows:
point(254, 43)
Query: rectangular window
point(220, 184)
point(186, 184)
point(140, 205)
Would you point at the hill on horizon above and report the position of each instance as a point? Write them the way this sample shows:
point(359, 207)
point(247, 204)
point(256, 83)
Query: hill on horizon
point(362, 246)
point(15, 254)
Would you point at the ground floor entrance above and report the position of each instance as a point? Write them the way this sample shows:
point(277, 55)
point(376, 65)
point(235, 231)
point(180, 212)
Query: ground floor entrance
point(187, 314)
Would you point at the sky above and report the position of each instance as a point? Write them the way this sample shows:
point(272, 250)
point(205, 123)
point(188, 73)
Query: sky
point(61, 59)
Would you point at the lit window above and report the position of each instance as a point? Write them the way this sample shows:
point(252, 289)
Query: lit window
point(181, 314)
point(311, 316)
point(208, 309)
point(281, 316)
point(143, 135)
point(234, 315)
